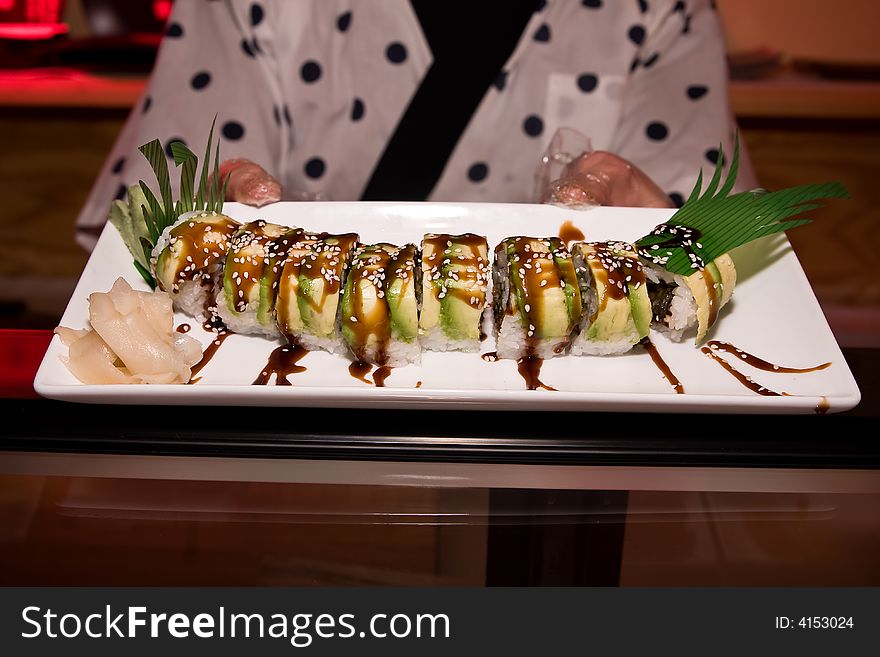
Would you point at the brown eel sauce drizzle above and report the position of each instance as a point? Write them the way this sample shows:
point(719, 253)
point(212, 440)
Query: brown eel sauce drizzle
point(317, 261)
point(569, 233)
point(183, 328)
point(194, 247)
point(469, 269)
point(760, 363)
point(375, 327)
point(662, 366)
point(529, 368)
point(536, 264)
point(685, 238)
point(250, 251)
point(619, 270)
point(283, 362)
point(381, 373)
point(747, 381)
point(677, 237)
point(359, 370)
point(216, 326)
point(712, 292)
point(712, 348)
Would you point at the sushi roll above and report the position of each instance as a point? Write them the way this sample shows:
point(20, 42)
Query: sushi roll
point(239, 300)
point(536, 298)
point(308, 290)
point(187, 261)
point(278, 252)
point(678, 303)
point(617, 309)
point(380, 307)
point(455, 281)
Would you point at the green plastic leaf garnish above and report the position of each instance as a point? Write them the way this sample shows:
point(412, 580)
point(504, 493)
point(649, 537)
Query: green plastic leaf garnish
point(142, 219)
point(713, 223)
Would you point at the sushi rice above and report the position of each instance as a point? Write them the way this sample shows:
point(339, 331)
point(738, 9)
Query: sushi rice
point(537, 299)
point(187, 261)
point(380, 305)
point(455, 291)
point(308, 295)
point(239, 300)
point(617, 309)
point(681, 303)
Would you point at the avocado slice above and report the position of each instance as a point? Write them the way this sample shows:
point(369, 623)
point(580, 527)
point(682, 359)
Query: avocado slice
point(379, 301)
point(245, 264)
point(455, 274)
point(623, 308)
point(320, 279)
point(543, 286)
point(196, 245)
point(401, 279)
point(277, 251)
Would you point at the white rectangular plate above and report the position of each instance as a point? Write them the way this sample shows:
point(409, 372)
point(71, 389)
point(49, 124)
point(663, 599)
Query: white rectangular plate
point(773, 314)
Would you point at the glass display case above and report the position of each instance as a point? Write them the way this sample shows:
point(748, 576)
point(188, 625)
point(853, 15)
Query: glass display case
point(126, 495)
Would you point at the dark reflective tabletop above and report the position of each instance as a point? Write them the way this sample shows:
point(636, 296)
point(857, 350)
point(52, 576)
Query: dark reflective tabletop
point(837, 440)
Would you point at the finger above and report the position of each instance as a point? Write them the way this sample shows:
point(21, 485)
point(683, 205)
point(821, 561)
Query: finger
point(616, 181)
point(249, 183)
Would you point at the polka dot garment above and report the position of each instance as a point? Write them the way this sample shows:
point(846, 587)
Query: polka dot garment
point(315, 167)
point(233, 130)
point(533, 126)
point(313, 90)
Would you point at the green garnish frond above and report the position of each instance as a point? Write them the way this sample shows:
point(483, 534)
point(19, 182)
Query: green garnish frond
point(715, 222)
point(141, 219)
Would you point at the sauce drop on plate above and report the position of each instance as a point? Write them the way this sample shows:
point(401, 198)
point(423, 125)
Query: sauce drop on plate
point(747, 381)
point(569, 233)
point(713, 347)
point(381, 374)
point(529, 369)
point(359, 370)
point(662, 366)
point(283, 362)
point(215, 325)
point(760, 363)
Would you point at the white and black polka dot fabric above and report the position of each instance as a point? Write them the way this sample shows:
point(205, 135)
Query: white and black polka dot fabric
point(312, 90)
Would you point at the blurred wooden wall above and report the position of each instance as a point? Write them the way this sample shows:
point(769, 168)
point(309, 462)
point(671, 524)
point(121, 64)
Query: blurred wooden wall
point(844, 30)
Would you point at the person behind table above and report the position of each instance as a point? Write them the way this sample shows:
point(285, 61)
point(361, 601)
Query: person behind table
point(416, 99)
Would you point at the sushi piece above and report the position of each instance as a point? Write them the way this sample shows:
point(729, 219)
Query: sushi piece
point(617, 309)
point(678, 303)
point(380, 306)
point(455, 281)
point(308, 290)
point(187, 261)
point(278, 250)
point(536, 298)
point(242, 301)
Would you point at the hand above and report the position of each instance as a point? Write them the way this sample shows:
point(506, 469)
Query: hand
point(249, 183)
point(603, 178)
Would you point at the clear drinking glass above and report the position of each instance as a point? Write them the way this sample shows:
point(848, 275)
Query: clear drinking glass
point(551, 184)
